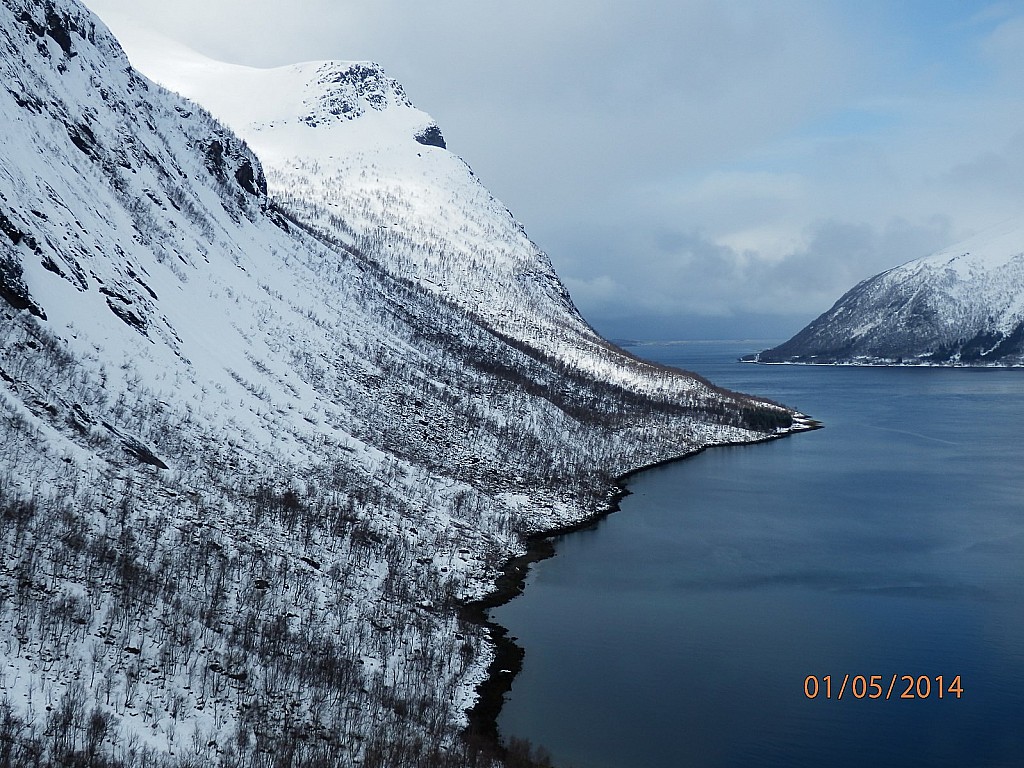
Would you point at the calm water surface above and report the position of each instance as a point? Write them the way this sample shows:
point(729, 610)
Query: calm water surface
point(679, 631)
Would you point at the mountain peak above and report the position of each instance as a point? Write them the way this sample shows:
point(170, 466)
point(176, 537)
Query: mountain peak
point(266, 426)
point(348, 89)
point(310, 94)
point(963, 305)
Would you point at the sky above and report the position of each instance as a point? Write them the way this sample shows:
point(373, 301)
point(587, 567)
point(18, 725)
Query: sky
point(694, 168)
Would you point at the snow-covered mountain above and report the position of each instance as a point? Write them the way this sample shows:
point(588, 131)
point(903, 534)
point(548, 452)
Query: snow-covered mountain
point(258, 449)
point(961, 306)
point(345, 149)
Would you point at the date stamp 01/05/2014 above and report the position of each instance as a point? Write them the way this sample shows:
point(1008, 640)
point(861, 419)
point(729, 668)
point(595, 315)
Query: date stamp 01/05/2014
point(883, 687)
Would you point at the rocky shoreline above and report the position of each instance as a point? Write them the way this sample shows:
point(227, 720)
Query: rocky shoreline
point(511, 582)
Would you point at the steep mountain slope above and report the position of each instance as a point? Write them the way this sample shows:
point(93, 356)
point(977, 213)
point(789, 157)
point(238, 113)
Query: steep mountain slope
point(961, 306)
point(347, 152)
point(253, 456)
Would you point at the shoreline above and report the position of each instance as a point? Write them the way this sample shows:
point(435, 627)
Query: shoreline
point(511, 582)
point(879, 363)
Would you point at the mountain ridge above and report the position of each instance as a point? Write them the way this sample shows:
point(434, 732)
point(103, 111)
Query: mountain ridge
point(961, 306)
point(362, 160)
point(257, 453)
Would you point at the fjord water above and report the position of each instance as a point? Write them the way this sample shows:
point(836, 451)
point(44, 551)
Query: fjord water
point(680, 631)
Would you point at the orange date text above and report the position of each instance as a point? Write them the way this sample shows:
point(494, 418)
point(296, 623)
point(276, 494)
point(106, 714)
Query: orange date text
point(885, 687)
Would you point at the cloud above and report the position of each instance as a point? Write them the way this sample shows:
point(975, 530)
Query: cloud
point(686, 275)
point(692, 158)
point(1003, 48)
point(998, 172)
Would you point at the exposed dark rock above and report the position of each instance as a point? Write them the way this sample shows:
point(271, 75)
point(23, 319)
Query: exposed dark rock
point(23, 100)
point(112, 293)
point(155, 198)
point(279, 217)
point(142, 453)
point(133, 319)
point(249, 181)
point(33, 26)
point(348, 89)
point(215, 159)
point(148, 290)
point(8, 229)
point(79, 419)
point(82, 137)
point(134, 447)
point(220, 159)
point(58, 28)
point(431, 137)
point(12, 286)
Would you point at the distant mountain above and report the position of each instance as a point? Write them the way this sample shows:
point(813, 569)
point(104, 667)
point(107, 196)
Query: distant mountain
point(961, 306)
point(268, 424)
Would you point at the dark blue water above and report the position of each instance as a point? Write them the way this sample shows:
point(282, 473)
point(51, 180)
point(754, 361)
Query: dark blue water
point(680, 631)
